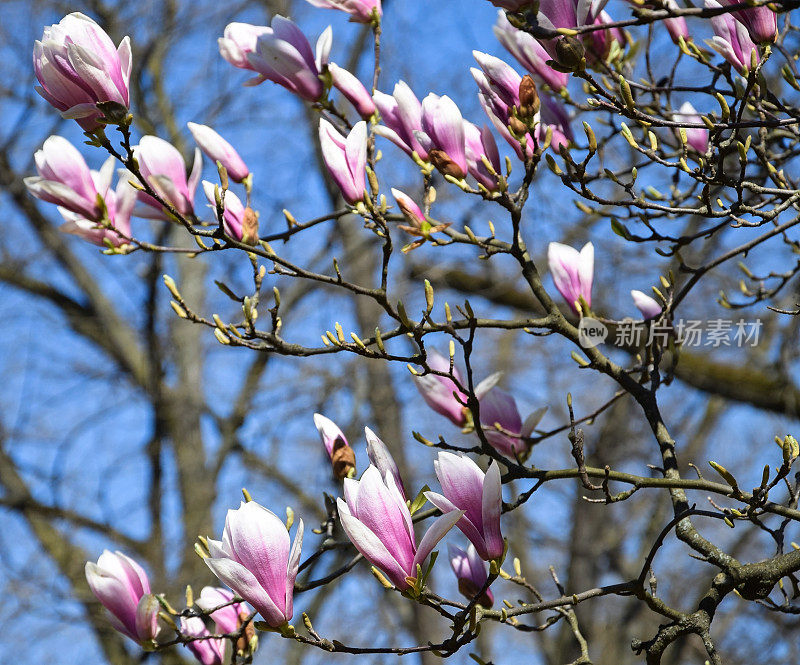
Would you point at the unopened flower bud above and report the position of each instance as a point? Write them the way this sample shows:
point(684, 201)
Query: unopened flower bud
point(250, 226)
point(446, 166)
point(517, 126)
point(343, 458)
point(528, 97)
point(570, 53)
point(791, 449)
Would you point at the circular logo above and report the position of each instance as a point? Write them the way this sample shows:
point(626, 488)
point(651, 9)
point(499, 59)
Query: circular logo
point(591, 332)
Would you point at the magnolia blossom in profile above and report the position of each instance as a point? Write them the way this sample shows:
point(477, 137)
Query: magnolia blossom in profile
point(238, 42)
point(442, 135)
point(440, 392)
point(361, 11)
point(233, 212)
point(554, 14)
point(696, 137)
point(732, 41)
point(90, 207)
point(479, 495)
point(162, 166)
point(500, 89)
point(572, 272)
point(380, 457)
point(66, 180)
point(761, 22)
point(343, 459)
point(401, 117)
point(256, 559)
point(471, 572)
point(209, 651)
point(528, 52)
point(676, 26)
point(498, 407)
point(376, 519)
point(123, 588)
point(346, 158)
point(78, 66)
point(352, 89)
point(279, 53)
point(480, 146)
point(648, 306)
point(412, 212)
point(219, 150)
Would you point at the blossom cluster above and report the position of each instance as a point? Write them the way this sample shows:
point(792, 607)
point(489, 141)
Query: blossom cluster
point(86, 78)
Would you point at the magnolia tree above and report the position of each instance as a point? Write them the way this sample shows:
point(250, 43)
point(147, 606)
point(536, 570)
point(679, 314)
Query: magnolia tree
point(600, 99)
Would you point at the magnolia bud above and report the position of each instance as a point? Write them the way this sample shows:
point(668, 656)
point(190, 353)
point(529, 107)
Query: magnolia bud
point(528, 97)
point(517, 127)
point(249, 226)
point(791, 449)
point(343, 461)
point(446, 166)
point(570, 53)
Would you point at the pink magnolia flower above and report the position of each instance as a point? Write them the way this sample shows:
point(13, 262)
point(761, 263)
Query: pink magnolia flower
point(442, 135)
point(209, 651)
point(376, 518)
point(119, 205)
point(280, 53)
point(572, 272)
point(239, 40)
point(761, 22)
point(380, 457)
point(227, 619)
point(352, 89)
point(528, 52)
point(676, 27)
point(361, 11)
point(84, 197)
point(332, 437)
point(233, 213)
point(346, 158)
point(440, 393)
point(599, 42)
point(732, 40)
point(77, 66)
point(401, 115)
point(480, 144)
point(554, 14)
point(343, 459)
point(466, 488)
point(219, 150)
point(65, 179)
point(696, 137)
point(648, 306)
point(413, 213)
point(499, 95)
point(255, 560)
point(471, 573)
point(498, 407)
point(121, 585)
point(162, 166)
